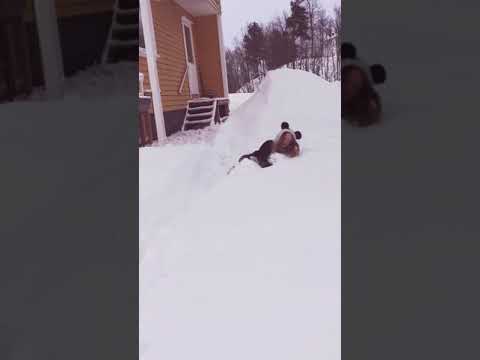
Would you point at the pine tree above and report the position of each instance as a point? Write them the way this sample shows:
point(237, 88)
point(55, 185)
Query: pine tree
point(281, 49)
point(298, 20)
point(254, 44)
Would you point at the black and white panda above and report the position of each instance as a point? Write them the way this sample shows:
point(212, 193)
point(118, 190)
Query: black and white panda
point(361, 104)
point(376, 73)
point(285, 128)
point(286, 143)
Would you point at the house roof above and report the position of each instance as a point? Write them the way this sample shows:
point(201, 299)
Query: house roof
point(200, 7)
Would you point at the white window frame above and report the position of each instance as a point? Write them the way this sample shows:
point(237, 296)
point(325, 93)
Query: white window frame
point(187, 22)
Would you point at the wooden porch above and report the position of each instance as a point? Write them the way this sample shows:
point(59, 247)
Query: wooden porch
point(200, 113)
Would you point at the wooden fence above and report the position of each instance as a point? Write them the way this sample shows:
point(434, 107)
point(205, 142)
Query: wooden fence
point(147, 130)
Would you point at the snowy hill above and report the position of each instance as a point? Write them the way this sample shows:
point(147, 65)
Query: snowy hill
point(246, 265)
point(324, 67)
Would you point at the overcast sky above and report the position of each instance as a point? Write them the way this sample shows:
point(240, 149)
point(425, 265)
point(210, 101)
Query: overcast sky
point(237, 13)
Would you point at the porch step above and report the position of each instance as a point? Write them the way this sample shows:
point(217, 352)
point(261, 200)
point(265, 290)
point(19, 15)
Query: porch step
point(122, 40)
point(204, 121)
point(202, 112)
point(125, 32)
point(200, 104)
point(126, 27)
point(197, 126)
point(124, 43)
point(194, 112)
point(200, 108)
point(124, 12)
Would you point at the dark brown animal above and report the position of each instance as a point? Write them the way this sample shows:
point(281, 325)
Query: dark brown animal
point(285, 143)
point(361, 104)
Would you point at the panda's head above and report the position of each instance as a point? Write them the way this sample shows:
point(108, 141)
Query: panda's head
point(375, 74)
point(286, 128)
point(361, 104)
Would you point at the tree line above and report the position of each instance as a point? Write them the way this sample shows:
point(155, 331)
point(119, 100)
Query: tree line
point(305, 38)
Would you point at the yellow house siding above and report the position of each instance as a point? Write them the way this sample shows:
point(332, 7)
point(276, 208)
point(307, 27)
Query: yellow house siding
point(167, 18)
point(171, 63)
point(209, 55)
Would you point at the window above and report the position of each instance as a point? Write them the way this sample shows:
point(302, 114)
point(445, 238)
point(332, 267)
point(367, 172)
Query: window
point(188, 40)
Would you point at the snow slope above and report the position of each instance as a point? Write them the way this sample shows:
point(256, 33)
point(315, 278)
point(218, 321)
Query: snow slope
point(323, 67)
point(237, 99)
point(246, 265)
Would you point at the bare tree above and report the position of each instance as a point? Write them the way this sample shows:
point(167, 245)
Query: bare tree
point(307, 39)
point(312, 9)
point(338, 36)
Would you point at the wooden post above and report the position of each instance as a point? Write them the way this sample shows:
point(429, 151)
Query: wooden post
point(47, 25)
point(222, 56)
point(151, 50)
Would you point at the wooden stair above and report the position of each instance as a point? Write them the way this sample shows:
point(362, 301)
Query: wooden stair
point(203, 112)
point(122, 41)
point(200, 113)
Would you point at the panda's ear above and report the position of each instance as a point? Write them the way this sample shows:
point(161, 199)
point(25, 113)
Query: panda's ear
point(285, 125)
point(348, 51)
point(298, 135)
point(379, 74)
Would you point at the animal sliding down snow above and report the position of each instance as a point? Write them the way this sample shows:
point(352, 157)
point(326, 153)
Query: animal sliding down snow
point(284, 143)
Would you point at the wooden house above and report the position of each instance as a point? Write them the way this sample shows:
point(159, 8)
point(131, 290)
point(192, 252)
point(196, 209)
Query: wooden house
point(182, 63)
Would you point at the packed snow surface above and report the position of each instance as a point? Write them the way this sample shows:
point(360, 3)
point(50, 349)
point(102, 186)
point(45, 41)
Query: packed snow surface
point(245, 265)
point(237, 99)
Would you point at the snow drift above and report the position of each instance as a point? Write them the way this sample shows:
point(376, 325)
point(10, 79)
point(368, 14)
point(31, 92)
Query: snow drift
point(246, 265)
point(325, 67)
